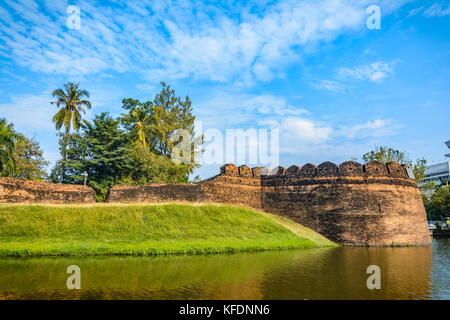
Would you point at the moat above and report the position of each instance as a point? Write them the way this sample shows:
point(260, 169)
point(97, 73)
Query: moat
point(328, 273)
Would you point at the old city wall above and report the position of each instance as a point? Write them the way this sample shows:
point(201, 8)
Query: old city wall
point(27, 191)
point(224, 188)
point(371, 204)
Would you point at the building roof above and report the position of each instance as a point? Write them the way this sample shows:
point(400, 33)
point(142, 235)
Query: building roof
point(438, 169)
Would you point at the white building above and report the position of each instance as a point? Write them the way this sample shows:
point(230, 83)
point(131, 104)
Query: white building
point(437, 172)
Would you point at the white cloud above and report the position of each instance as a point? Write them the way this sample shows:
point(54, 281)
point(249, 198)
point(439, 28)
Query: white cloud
point(436, 10)
point(330, 85)
point(415, 11)
point(29, 113)
point(306, 136)
point(304, 130)
point(147, 88)
point(265, 111)
point(272, 105)
point(227, 110)
point(299, 133)
point(375, 128)
point(374, 72)
point(177, 39)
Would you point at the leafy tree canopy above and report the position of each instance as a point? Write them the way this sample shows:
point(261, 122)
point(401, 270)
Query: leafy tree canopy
point(8, 139)
point(156, 125)
point(440, 201)
point(149, 167)
point(71, 101)
point(437, 203)
point(101, 149)
point(386, 154)
point(29, 159)
point(20, 157)
point(138, 120)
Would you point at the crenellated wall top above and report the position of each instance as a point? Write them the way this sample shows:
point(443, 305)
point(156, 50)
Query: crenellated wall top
point(325, 169)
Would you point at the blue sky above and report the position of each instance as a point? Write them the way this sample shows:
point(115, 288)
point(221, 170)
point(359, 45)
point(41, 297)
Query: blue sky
point(311, 69)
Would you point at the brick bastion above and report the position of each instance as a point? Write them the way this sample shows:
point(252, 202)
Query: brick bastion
point(27, 191)
point(374, 204)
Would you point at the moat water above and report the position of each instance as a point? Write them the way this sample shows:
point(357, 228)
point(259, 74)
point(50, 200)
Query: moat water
point(331, 273)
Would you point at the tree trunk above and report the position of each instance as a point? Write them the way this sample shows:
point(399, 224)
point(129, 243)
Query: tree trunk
point(63, 167)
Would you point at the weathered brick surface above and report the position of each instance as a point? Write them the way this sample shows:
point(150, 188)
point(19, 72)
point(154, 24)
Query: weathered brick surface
point(293, 170)
point(245, 171)
point(374, 204)
point(350, 168)
point(157, 193)
point(26, 191)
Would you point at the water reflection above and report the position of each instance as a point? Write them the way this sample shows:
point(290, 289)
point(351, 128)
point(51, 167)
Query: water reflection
point(330, 273)
point(441, 269)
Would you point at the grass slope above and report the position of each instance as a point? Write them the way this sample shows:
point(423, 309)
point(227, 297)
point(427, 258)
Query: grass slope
point(33, 230)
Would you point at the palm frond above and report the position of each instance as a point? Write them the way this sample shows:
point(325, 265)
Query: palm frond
point(70, 98)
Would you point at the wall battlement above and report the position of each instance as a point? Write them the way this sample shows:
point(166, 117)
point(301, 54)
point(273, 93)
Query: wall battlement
point(371, 204)
point(309, 170)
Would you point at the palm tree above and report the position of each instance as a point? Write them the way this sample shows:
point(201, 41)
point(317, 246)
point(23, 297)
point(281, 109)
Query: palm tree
point(141, 118)
point(8, 139)
point(71, 103)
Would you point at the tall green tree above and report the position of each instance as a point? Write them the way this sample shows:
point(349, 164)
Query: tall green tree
point(170, 113)
point(167, 122)
point(8, 139)
point(103, 150)
point(138, 120)
point(71, 102)
point(29, 159)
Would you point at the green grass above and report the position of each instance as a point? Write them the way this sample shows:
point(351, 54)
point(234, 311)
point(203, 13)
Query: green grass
point(36, 230)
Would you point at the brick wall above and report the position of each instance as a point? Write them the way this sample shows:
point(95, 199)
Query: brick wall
point(26, 191)
point(374, 204)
